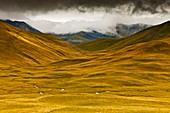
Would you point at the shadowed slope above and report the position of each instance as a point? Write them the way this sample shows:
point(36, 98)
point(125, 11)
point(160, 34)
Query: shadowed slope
point(98, 44)
point(18, 46)
point(22, 25)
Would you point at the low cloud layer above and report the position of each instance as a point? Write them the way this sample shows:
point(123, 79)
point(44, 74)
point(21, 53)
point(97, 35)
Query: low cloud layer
point(132, 6)
point(103, 24)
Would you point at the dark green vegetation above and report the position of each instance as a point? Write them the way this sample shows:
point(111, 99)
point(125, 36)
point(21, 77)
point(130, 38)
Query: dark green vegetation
point(130, 78)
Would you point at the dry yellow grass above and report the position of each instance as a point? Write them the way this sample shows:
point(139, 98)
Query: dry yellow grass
point(21, 47)
point(134, 79)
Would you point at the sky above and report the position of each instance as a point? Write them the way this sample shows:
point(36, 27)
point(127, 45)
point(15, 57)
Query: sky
point(68, 16)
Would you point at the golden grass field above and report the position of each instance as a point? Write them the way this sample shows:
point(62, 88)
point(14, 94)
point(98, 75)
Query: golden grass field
point(130, 79)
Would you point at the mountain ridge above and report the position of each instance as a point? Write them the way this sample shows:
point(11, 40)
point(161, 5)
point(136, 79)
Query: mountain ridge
point(82, 36)
point(22, 25)
point(125, 30)
point(118, 31)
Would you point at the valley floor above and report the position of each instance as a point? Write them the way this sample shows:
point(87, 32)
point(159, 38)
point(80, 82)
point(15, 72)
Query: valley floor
point(79, 86)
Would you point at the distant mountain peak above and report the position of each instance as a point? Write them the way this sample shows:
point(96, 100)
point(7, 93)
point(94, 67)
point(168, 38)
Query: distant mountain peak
point(22, 25)
point(124, 30)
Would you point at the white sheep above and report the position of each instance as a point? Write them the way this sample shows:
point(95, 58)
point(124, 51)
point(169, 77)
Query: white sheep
point(97, 93)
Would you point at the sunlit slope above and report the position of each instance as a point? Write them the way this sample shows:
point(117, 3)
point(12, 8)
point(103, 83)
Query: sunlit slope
point(140, 63)
point(153, 56)
point(18, 46)
point(152, 33)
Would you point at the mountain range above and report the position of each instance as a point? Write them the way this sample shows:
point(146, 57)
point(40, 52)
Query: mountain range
point(82, 37)
point(38, 47)
point(118, 31)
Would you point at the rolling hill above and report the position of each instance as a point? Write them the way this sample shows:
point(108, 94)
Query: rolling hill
point(18, 46)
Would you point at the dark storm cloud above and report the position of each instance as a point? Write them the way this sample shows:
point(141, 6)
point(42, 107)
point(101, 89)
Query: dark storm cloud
point(152, 6)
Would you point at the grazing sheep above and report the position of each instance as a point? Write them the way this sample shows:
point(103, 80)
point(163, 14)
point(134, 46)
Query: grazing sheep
point(36, 86)
point(41, 93)
point(97, 93)
point(62, 89)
